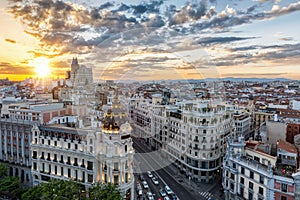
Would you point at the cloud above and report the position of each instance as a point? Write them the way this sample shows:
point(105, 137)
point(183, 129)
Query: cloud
point(10, 41)
point(9, 68)
point(221, 40)
point(113, 30)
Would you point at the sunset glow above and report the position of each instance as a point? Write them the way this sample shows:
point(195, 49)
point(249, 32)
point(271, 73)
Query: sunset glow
point(41, 65)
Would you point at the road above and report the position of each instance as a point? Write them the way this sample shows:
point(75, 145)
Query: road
point(152, 162)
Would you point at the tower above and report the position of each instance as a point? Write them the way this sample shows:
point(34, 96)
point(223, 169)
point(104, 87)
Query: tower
point(74, 68)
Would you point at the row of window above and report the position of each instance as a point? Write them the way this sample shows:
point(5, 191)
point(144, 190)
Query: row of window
point(62, 157)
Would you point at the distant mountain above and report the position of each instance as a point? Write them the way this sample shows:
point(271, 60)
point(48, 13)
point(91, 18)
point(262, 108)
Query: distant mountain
point(254, 79)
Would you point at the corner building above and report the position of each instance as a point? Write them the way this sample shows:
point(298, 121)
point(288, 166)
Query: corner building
point(99, 153)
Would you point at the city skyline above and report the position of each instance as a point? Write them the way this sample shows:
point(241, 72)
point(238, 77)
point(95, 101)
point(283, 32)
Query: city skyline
point(151, 40)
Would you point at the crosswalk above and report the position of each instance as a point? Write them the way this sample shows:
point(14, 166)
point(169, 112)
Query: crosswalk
point(206, 195)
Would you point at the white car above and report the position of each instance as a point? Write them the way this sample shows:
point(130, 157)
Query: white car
point(150, 196)
point(155, 181)
point(166, 198)
point(168, 190)
point(162, 192)
point(145, 184)
point(150, 175)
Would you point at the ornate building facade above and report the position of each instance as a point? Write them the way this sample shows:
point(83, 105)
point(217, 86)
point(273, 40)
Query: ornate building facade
point(93, 151)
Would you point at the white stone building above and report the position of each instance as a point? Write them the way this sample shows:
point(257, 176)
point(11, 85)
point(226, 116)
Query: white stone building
point(87, 154)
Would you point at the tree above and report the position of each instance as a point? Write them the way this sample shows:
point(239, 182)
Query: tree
point(33, 193)
point(9, 185)
point(55, 189)
point(107, 192)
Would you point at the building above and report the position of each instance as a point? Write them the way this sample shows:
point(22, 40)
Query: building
point(191, 134)
point(89, 151)
point(242, 123)
point(251, 171)
point(16, 137)
point(292, 129)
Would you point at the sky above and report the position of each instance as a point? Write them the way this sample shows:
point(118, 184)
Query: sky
point(151, 40)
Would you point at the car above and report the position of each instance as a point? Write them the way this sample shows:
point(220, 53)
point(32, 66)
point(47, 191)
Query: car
point(166, 198)
point(139, 189)
point(162, 192)
point(150, 196)
point(150, 175)
point(142, 178)
point(174, 197)
point(145, 184)
point(155, 180)
point(168, 190)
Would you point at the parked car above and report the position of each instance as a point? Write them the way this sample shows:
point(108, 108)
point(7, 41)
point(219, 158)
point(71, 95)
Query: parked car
point(150, 175)
point(168, 190)
point(174, 197)
point(145, 184)
point(150, 196)
point(142, 178)
point(155, 180)
point(139, 189)
point(162, 192)
point(166, 198)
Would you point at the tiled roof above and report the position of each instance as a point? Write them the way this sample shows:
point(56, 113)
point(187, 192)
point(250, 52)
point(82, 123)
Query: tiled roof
point(286, 146)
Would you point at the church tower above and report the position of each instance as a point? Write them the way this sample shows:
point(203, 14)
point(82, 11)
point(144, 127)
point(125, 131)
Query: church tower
point(74, 68)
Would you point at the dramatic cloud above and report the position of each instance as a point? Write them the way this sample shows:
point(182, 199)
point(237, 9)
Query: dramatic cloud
point(102, 33)
point(10, 41)
point(8, 68)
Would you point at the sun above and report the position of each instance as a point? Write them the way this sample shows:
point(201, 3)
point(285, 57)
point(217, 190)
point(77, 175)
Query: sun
point(41, 65)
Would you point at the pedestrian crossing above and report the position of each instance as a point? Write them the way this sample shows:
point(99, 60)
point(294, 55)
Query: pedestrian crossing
point(206, 195)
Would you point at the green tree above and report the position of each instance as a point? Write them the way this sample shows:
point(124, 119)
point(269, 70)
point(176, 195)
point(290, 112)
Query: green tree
point(33, 193)
point(108, 192)
point(9, 185)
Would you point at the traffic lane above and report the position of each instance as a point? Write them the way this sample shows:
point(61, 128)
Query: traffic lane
point(152, 187)
point(176, 187)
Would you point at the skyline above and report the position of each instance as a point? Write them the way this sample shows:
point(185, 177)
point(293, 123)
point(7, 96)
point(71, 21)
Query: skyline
point(152, 40)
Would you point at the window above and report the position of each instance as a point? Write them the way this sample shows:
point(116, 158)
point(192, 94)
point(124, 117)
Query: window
point(62, 171)
point(90, 178)
point(34, 166)
point(34, 154)
point(283, 198)
point(242, 191)
point(69, 172)
point(232, 187)
point(116, 166)
point(55, 143)
point(261, 190)
point(250, 185)
point(89, 165)
point(196, 153)
point(91, 141)
point(250, 196)
point(242, 180)
point(116, 179)
point(261, 179)
point(232, 176)
point(55, 158)
point(69, 145)
point(76, 146)
point(242, 170)
point(251, 175)
point(284, 187)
